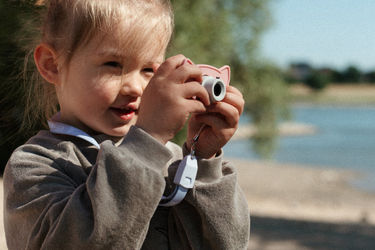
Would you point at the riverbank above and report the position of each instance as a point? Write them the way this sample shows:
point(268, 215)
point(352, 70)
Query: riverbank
point(296, 207)
point(300, 192)
point(287, 234)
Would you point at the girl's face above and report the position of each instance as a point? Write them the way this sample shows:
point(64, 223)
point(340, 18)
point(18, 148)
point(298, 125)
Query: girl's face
point(99, 90)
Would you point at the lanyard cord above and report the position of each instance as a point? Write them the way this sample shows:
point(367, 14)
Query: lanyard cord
point(65, 129)
point(186, 172)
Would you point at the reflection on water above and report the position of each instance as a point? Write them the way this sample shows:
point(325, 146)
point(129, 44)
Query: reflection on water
point(345, 139)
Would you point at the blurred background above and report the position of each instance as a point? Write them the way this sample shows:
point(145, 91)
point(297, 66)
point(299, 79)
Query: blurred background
point(304, 147)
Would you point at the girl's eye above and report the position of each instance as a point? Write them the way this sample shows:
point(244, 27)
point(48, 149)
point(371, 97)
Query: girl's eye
point(148, 70)
point(113, 64)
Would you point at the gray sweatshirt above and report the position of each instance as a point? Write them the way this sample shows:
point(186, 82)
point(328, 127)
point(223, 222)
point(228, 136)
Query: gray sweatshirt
point(60, 192)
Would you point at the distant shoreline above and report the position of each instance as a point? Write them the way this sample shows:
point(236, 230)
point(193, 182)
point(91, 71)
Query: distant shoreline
point(335, 94)
point(351, 95)
point(284, 129)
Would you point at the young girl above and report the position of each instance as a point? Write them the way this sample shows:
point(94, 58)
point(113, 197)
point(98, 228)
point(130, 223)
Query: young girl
point(95, 179)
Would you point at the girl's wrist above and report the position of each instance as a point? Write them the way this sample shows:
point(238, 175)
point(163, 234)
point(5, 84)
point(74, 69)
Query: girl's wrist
point(187, 149)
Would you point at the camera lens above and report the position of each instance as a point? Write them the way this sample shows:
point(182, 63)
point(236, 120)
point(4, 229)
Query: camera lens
point(217, 89)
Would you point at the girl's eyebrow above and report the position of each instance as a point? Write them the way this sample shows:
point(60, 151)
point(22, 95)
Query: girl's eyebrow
point(105, 54)
point(115, 53)
point(110, 53)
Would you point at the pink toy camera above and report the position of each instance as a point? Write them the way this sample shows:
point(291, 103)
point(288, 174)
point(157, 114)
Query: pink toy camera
point(215, 80)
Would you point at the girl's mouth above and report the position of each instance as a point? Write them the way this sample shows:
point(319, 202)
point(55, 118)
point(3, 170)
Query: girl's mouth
point(125, 114)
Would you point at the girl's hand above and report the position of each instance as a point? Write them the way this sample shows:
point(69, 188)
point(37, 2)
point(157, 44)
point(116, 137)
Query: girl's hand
point(171, 96)
point(220, 123)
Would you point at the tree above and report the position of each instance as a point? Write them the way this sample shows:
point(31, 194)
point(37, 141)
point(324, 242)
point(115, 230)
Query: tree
point(266, 103)
point(370, 77)
point(317, 80)
point(352, 74)
point(298, 72)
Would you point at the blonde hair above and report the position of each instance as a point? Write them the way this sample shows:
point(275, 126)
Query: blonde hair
point(70, 24)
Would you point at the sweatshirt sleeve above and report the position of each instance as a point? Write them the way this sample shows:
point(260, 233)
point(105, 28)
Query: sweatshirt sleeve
point(214, 214)
point(48, 207)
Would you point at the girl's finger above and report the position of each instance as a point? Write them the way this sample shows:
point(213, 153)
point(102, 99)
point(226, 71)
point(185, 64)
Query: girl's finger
point(187, 73)
point(234, 90)
point(214, 120)
point(194, 90)
point(171, 64)
point(235, 100)
point(234, 97)
point(194, 106)
point(229, 112)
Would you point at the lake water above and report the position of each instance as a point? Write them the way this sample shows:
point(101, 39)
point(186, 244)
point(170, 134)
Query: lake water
point(345, 139)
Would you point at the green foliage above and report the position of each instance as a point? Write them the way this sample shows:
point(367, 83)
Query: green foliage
point(352, 74)
point(316, 77)
point(217, 31)
point(317, 81)
point(370, 77)
point(266, 97)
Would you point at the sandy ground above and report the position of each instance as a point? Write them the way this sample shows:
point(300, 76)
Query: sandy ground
point(295, 207)
point(317, 194)
point(363, 94)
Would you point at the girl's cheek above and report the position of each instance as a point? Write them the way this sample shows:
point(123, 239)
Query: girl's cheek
point(107, 82)
point(146, 83)
point(106, 90)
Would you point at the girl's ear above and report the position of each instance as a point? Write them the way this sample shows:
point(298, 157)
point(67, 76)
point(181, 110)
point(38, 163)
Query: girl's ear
point(45, 58)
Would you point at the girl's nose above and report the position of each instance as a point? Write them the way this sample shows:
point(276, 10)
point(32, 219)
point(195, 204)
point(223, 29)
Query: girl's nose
point(132, 85)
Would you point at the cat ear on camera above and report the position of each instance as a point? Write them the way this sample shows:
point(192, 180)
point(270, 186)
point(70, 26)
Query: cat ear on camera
point(225, 74)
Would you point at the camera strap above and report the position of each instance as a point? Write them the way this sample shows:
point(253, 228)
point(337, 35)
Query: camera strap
point(185, 175)
point(184, 178)
point(65, 129)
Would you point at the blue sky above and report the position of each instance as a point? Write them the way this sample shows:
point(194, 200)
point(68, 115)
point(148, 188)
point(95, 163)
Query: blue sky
point(334, 33)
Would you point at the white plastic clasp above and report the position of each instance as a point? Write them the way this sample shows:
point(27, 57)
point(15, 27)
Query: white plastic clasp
point(186, 172)
point(184, 180)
